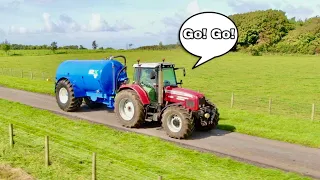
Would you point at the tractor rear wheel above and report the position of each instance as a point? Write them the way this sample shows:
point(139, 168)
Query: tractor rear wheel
point(129, 109)
point(91, 104)
point(177, 122)
point(65, 96)
point(215, 119)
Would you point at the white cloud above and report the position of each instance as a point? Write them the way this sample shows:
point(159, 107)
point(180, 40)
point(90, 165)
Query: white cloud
point(2, 33)
point(172, 24)
point(98, 23)
point(193, 7)
point(49, 25)
point(17, 30)
point(65, 24)
point(301, 12)
point(10, 6)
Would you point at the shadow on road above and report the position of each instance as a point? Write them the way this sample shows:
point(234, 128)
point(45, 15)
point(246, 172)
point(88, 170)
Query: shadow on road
point(221, 130)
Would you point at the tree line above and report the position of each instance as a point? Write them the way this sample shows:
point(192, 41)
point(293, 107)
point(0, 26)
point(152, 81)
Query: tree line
point(259, 31)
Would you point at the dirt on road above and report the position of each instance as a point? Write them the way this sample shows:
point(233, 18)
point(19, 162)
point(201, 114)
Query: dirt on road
point(256, 150)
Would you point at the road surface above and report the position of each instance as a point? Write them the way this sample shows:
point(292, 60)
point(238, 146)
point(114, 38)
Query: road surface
point(260, 151)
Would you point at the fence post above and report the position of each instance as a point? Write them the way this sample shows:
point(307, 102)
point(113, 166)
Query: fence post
point(270, 104)
point(313, 111)
point(47, 151)
point(94, 166)
point(160, 178)
point(31, 75)
point(21, 73)
point(232, 100)
point(11, 135)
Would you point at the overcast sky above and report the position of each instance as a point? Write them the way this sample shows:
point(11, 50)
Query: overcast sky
point(113, 23)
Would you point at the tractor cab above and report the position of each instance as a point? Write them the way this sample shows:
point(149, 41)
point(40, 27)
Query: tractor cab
point(151, 76)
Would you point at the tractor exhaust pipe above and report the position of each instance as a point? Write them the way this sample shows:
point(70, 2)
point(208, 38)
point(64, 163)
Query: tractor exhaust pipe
point(160, 86)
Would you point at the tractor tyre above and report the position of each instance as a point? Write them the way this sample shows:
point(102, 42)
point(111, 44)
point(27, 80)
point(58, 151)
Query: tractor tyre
point(91, 104)
point(129, 109)
point(65, 96)
point(177, 122)
point(215, 122)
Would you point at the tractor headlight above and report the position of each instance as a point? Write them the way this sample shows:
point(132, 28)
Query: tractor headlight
point(190, 103)
point(207, 115)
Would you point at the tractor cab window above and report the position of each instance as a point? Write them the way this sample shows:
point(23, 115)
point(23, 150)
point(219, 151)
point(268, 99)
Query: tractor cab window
point(169, 77)
point(148, 76)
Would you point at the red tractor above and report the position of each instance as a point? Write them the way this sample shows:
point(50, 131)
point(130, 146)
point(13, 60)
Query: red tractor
point(154, 95)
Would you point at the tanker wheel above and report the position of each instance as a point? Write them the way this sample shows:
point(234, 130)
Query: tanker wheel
point(129, 109)
point(91, 104)
point(215, 121)
point(65, 96)
point(177, 122)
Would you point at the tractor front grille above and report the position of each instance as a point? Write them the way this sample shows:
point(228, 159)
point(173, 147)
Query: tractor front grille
point(202, 101)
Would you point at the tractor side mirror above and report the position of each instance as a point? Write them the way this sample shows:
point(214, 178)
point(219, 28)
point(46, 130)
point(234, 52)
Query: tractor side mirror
point(184, 70)
point(180, 83)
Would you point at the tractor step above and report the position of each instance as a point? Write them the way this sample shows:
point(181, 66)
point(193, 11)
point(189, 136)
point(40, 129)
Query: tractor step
point(148, 120)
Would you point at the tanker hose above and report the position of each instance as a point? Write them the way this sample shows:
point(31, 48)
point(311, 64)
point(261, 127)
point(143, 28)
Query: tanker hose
point(125, 59)
point(116, 80)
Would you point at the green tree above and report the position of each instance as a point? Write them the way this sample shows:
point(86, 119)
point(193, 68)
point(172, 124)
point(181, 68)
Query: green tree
point(94, 44)
point(54, 46)
point(6, 46)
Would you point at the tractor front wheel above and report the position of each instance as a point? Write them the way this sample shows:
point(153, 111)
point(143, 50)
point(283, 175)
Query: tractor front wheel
point(129, 109)
point(177, 122)
point(65, 96)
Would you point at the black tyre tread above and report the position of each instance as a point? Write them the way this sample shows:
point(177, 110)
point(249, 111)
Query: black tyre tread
point(216, 119)
point(74, 103)
point(186, 131)
point(139, 117)
point(91, 104)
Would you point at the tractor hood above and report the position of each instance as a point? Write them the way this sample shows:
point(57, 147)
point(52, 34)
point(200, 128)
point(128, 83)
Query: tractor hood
point(188, 93)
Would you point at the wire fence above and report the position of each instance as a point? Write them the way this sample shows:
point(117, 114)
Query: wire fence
point(29, 74)
point(56, 151)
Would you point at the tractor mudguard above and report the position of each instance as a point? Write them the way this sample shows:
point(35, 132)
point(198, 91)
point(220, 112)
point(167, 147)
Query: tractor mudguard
point(139, 90)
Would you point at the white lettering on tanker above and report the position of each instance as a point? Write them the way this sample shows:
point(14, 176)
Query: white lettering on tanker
point(94, 73)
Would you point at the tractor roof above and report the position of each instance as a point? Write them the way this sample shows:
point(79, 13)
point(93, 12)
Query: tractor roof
point(152, 65)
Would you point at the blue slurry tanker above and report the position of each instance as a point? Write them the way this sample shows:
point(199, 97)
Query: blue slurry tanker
point(154, 94)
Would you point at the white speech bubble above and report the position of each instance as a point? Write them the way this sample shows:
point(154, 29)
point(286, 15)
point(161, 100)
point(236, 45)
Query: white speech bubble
point(208, 35)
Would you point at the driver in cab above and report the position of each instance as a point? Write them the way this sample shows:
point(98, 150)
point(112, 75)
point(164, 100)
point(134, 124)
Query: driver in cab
point(148, 81)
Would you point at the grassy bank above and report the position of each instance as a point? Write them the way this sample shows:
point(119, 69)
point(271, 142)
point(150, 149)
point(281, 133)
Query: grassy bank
point(119, 154)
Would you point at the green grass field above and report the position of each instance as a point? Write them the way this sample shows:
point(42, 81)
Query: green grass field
point(120, 155)
point(291, 82)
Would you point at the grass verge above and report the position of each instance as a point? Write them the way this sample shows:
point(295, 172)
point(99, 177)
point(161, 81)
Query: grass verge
point(120, 155)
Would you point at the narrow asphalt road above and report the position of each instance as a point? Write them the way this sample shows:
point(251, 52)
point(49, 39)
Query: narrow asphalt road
point(265, 152)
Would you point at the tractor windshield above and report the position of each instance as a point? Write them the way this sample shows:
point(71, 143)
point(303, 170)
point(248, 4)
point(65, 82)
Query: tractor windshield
point(169, 77)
